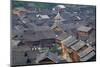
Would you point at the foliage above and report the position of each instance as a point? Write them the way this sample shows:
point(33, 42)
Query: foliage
point(55, 49)
point(36, 4)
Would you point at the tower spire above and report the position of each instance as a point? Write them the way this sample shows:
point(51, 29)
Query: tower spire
point(58, 17)
point(57, 21)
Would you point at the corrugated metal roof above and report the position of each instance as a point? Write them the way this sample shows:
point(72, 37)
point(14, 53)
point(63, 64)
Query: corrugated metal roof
point(69, 41)
point(62, 36)
point(87, 57)
point(86, 51)
point(78, 45)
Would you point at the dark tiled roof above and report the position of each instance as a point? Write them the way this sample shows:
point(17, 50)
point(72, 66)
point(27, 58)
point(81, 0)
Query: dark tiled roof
point(53, 57)
point(86, 51)
point(69, 41)
point(62, 36)
point(38, 35)
point(88, 56)
point(78, 45)
point(84, 28)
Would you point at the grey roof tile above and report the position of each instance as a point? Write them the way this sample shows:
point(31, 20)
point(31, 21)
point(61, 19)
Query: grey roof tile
point(78, 45)
point(86, 51)
point(49, 55)
point(69, 41)
point(87, 57)
point(84, 28)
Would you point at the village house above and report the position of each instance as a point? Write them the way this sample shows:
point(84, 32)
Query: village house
point(47, 57)
point(84, 31)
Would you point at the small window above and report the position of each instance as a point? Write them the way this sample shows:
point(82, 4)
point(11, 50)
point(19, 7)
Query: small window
point(21, 36)
point(15, 36)
point(25, 31)
point(25, 54)
point(28, 61)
